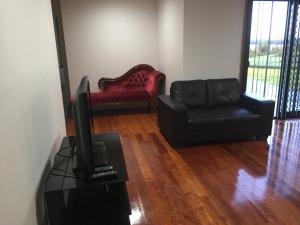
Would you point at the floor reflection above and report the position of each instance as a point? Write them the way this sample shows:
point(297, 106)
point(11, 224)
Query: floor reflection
point(283, 166)
point(284, 157)
point(136, 214)
point(249, 187)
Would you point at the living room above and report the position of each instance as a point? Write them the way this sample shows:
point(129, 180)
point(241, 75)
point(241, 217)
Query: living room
point(248, 181)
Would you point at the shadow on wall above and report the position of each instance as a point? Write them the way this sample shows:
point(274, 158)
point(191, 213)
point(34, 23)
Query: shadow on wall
point(40, 199)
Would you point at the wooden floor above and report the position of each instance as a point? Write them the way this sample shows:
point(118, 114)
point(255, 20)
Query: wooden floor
point(248, 182)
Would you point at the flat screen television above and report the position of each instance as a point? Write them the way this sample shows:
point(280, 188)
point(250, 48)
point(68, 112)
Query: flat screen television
point(86, 147)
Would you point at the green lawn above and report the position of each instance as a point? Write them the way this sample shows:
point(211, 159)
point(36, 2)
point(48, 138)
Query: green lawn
point(272, 74)
point(259, 74)
point(274, 60)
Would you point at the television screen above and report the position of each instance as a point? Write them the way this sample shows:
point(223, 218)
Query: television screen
point(83, 120)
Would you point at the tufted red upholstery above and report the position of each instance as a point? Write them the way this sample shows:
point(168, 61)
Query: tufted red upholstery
point(138, 80)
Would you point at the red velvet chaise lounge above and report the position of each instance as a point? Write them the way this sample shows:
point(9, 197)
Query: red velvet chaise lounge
point(141, 83)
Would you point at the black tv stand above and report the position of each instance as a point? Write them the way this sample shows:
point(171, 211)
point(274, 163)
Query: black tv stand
point(70, 198)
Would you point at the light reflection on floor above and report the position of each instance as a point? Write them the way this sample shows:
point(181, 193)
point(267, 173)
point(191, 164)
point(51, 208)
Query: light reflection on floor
point(282, 163)
point(136, 215)
point(249, 187)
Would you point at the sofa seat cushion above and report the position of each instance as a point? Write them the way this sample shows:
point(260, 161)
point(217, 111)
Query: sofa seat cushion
point(119, 96)
point(236, 113)
point(215, 117)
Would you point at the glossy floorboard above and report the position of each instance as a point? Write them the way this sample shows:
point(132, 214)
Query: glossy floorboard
point(247, 182)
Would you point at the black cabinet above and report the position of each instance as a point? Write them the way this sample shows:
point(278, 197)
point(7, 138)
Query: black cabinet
point(71, 199)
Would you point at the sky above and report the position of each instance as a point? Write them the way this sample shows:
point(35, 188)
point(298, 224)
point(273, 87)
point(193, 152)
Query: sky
point(261, 20)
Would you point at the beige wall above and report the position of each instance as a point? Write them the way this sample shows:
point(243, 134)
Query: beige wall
point(212, 38)
point(31, 115)
point(170, 39)
point(108, 37)
point(200, 39)
point(185, 39)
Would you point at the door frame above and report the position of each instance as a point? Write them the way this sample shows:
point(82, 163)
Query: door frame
point(246, 44)
point(61, 54)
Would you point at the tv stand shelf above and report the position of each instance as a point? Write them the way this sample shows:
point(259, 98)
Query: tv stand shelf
point(72, 199)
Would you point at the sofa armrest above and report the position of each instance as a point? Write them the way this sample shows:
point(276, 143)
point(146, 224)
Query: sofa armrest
point(155, 83)
point(263, 107)
point(172, 120)
point(106, 83)
point(172, 105)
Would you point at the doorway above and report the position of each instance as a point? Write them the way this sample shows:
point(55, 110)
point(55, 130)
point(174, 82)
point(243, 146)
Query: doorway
point(271, 62)
point(266, 48)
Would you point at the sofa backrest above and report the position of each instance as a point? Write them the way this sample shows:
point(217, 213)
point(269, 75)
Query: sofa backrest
point(191, 93)
point(222, 92)
point(206, 93)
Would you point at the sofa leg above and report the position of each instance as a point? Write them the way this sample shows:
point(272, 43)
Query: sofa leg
point(149, 107)
point(262, 138)
point(154, 105)
point(177, 146)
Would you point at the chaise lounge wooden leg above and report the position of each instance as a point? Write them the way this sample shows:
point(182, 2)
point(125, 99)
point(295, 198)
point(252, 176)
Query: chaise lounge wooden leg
point(149, 106)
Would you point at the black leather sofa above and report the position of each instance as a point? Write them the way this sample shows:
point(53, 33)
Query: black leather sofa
point(208, 110)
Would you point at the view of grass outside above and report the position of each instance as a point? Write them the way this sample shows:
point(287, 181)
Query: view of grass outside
point(261, 60)
point(272, 77)
point(264, 70)
point(264, 67)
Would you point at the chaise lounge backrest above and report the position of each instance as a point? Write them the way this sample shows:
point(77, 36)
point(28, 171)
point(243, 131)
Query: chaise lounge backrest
point(206, 93)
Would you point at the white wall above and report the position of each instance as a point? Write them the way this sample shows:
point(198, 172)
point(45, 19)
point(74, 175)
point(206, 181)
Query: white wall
point(108, 37)
point(170, 39)
point(212, 38)
point(31, 115)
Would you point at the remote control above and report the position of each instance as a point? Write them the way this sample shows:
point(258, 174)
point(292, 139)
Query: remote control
point(110, 173)
point(104, 168)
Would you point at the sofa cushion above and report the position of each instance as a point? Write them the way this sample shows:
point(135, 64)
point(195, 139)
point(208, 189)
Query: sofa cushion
point(203, 115)
point(235, 113)
point(119, 96)
point(222, 92)
point(191, 93)
point(214, 117)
